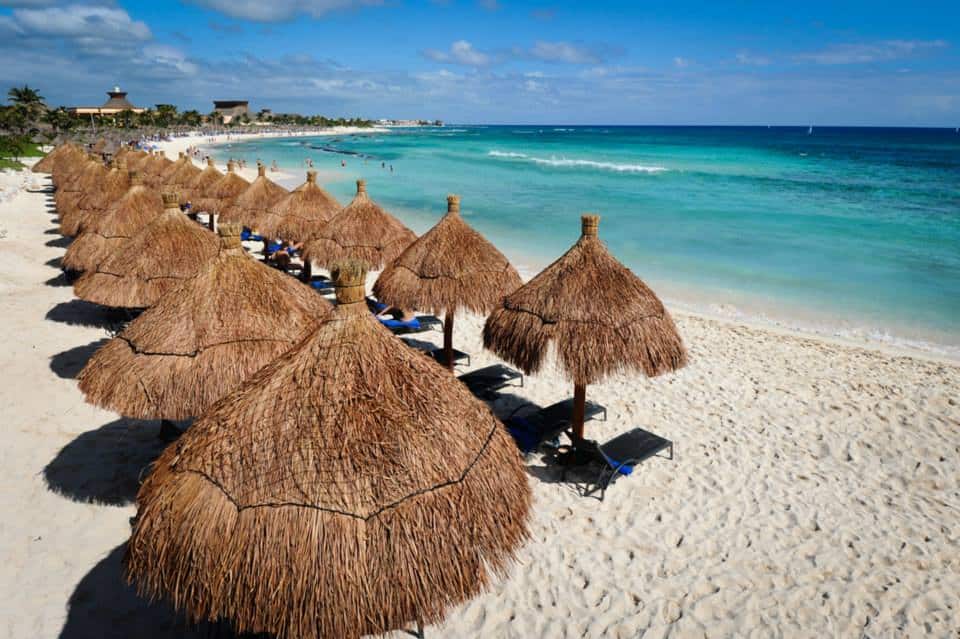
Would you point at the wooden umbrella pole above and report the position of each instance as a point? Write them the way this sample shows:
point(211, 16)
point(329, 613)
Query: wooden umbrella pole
point(448, 339)
point(579, 403)
point(210, 220)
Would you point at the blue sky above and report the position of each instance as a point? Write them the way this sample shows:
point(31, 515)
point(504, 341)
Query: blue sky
point(499, 61)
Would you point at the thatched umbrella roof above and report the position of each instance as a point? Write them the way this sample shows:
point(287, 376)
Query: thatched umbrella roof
point(85, 179)
point(170, 249)
point(182, 174)
point(200, 183)
point(362, 231)
point(203, 338)
point(136, 159)
point(251, 206)
point(155, 168)
point(448, 268)
point(99, 146)
point(94, 202)
point(598, 316)
point(349, 488)
point(122, 220)
point(57, 155)
point(65, 166)
point(301, 214)
point(221, 193)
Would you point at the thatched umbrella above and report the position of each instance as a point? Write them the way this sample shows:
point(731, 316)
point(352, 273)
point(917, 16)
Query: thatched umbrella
point(449, 267)
point(122, 220)
point(182, 174)
point(94, 202)
point(154, 168)
point(65, 166)
point(203, 338)
point(349, 488)
point(170, 249)
point(251, 206)
point(598, 315)
point(200, 184)
point(221, 193)
point(99, 146)
point(59, 154)
point(136, 159)
point(362, 231)
point(301, 214)
point(83, 180)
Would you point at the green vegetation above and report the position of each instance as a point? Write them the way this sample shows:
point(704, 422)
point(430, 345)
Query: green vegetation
point(27, 119)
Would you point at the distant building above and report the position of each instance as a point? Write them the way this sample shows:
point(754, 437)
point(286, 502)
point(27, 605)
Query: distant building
point(231, 109)
point(118, 102)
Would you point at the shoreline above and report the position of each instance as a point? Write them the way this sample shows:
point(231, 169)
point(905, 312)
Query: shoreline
point(829, 329)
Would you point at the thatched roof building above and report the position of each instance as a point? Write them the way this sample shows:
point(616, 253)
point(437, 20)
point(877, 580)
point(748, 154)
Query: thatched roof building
point(350, 488)
point(251, 206)
point(598, 316)
point(203, 338)
point(106, 233)
point(301, 214)
point(169, 250)
point(449, 268)
point(362, 231)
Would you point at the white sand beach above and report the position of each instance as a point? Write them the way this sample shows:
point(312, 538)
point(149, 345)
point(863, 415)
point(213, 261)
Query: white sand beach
point(815, 490)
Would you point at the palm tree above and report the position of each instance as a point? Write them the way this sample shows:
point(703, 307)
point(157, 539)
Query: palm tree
point(166, 115)
point(191, 118)
point(29, 100)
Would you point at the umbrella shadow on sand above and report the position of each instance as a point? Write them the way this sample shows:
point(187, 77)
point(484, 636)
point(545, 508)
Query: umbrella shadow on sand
point(60, 242)
point(105, 465)
point(80, 313)
point(69, 363)
point(53, 263)
point(103, 605)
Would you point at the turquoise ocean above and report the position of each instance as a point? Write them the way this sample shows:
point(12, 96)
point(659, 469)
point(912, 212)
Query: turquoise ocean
point(853, 232)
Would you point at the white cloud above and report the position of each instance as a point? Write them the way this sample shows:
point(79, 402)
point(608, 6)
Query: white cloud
point(748, 59)
point(461, 52)
point(280, 10)
point(870, 52)
point(166, 56)
point(681, 63)
point(563, 52)
point(81, 22)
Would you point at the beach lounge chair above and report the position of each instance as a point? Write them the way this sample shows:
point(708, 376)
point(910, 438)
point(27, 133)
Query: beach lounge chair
point(617, 457)
point(530, 431)
point(246, 235)
point(485, 382)
point(419, 324)
point(324, 286)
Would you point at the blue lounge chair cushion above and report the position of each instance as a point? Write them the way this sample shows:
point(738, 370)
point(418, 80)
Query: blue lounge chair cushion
point(248, 236)
point(395, 323)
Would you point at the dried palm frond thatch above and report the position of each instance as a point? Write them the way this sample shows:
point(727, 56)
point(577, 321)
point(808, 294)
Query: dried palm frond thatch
point(203, 338)
point(200, 184)
point(182, 174)
point(93, 203)
point(349, 488)
point(99, 146)
point(57, 155)
point(136, 159)
point(222, 193)
point(301, 214)
point(171, 248)
point(250, 206)
point(598, 316)
point(79, 182)
point(448, 268)
point(122, 220)
point(154, 169)
point(361, 231)
point(66, 166)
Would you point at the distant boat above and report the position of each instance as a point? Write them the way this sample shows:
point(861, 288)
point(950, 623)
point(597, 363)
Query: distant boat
point(810, 131)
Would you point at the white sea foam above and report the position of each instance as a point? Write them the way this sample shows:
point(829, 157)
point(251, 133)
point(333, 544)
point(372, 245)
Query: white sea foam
point(568, 162)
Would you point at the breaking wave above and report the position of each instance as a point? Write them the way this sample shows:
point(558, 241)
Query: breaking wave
point(566, 162)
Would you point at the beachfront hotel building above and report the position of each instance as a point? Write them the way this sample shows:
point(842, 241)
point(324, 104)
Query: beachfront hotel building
point(231, 109)
point(117, 103)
